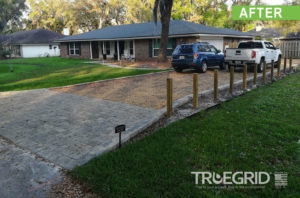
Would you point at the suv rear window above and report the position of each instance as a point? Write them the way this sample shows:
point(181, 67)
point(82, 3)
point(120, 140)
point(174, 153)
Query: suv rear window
point(184, 49)
point(250, 45)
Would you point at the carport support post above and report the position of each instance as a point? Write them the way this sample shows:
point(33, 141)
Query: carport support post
point(284, 65)
point(255, 74)
point(244, 76)
point(272, 70)
point(195, 90)
point(216, 84)
point(264, 73)
point(169, 97)
point(278, 69)
point(291, 64)
point(231, 79)
point(118, 50)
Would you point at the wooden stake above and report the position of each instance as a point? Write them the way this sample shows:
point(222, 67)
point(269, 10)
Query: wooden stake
point(255, 74)
point(278, 69)
point(272, 70)
point(244, 76)
point(195, 90)
point(291, 64)
point(264, 73)
point(169, 97)
point(216, 84)
point(231, 79)
point(284, 65)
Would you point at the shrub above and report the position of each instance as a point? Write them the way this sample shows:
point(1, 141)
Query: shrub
point(4, 53)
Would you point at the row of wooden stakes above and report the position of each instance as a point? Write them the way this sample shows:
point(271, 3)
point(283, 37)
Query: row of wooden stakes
point(231, 82)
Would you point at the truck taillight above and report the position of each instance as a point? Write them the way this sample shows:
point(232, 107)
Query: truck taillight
point(253, 54)
point(196, 56)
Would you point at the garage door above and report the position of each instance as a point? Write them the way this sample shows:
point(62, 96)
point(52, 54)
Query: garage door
point(215, 41)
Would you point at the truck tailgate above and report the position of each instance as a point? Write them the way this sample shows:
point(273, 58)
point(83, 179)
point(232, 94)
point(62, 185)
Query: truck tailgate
point(238, 54)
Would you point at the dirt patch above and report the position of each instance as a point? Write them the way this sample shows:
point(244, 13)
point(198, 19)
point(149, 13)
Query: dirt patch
point(143, 64)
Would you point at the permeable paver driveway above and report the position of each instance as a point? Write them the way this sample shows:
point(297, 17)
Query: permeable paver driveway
point(149, 90)
point(64, 128)
point(41, 127)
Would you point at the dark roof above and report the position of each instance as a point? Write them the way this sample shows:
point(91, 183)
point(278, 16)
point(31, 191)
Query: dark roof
point(293, 34)
point(267, 32)
point(140, 30)
point(290, 38)
point(38, 36)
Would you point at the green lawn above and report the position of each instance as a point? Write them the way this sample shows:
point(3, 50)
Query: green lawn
point(255, 132)
point(33, 73)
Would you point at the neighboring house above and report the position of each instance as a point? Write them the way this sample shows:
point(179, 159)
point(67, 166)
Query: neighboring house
point(271, 34)
point(141, 41)
point(33, 43)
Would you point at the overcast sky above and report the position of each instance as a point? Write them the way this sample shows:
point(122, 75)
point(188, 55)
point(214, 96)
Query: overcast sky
point(272, 2)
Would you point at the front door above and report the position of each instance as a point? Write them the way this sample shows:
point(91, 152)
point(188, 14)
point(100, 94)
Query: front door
point(95, 50)
point(121, 47)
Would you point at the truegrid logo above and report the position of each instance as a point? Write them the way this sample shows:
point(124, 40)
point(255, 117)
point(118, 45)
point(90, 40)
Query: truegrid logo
point(280, 179)
point(240, 178)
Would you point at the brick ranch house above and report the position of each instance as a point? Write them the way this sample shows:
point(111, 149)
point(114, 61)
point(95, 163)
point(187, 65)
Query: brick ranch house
point(141, 41)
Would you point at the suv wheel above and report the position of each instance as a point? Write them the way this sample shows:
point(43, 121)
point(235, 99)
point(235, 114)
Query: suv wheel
point(177, 69)
point(203, 67)
point(222, 66)
point(260, 66)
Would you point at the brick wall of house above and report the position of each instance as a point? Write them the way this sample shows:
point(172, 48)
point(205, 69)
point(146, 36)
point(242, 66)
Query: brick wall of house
point(142, 49)
point(85, 51)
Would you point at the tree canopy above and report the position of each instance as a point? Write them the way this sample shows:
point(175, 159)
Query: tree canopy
point(86, 15)
point(10, 12)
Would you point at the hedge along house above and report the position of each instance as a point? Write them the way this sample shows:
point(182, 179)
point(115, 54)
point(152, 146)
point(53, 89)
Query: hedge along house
point(141, 41)
point(33, 43)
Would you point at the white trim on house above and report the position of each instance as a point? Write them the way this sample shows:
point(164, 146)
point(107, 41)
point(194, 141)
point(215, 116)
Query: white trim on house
point(91, 50)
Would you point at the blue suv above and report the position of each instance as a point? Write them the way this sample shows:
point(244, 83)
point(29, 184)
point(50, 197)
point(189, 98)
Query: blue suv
point(197, 56)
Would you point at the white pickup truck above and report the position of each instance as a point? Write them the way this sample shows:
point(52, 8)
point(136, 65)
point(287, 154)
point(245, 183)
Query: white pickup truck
point(251, 52)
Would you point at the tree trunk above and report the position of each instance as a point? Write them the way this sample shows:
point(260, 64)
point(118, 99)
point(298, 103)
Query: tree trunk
point(100, 23)
point(165, 23)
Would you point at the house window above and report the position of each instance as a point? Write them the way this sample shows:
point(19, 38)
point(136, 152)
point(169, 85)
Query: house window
point(131, 47)
point(156, 47)
point(74, 48)
point(107, 46)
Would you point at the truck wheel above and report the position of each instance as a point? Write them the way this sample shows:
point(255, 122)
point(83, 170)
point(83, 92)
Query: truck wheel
point(203, 67)
point(260, 66)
